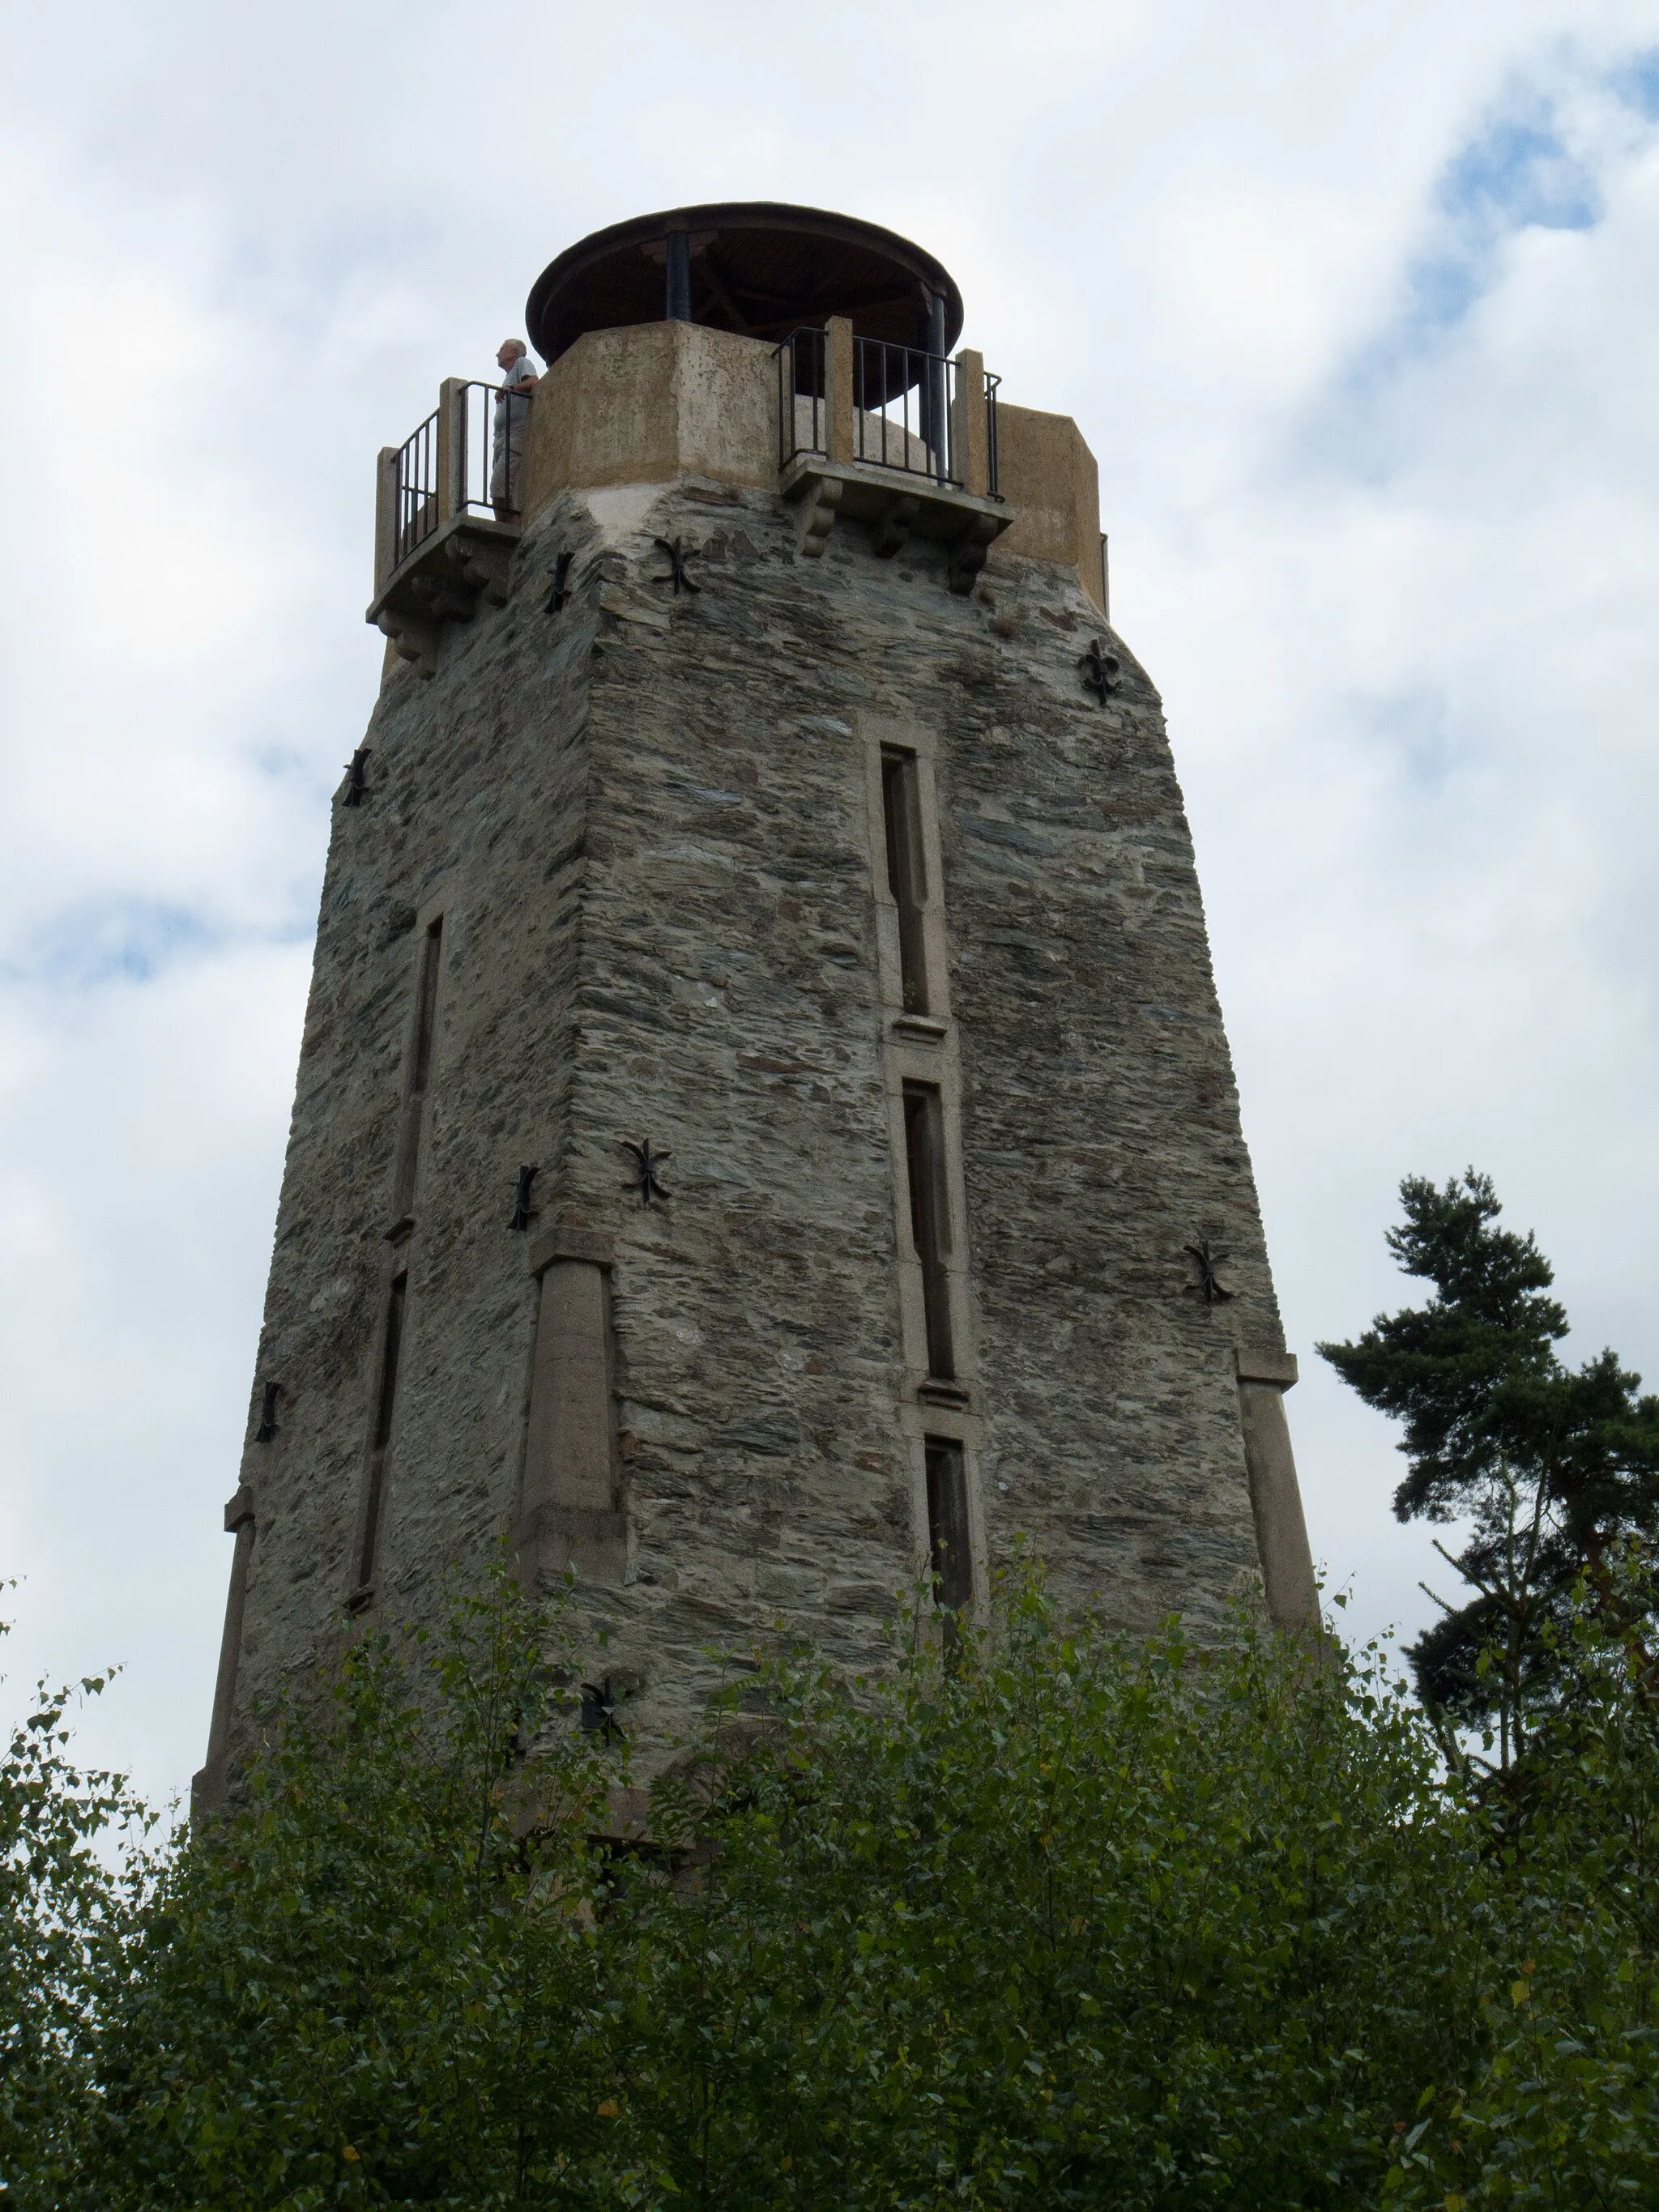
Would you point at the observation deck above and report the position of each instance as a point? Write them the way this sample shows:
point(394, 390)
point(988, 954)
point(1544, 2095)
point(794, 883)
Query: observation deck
point(770, 348)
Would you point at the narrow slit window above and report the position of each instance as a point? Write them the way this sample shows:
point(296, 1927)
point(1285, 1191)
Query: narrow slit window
point(907, 878)
point(951, 1554)
point(420, 1069)
point(386, 1404)
point(930, 1218)
point(426, 1018)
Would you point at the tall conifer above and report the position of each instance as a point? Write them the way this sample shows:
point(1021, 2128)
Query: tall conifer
point(1547, 1466)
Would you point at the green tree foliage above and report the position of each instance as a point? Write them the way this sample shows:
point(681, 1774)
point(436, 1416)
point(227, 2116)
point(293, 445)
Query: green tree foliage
point(59, 1901)
point(1563, 2109)
point(375, 1981)
point(1550, 1466)
point(1079, 1920)
point(1073, 1919)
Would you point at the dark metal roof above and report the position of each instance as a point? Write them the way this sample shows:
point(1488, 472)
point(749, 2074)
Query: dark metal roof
point(757, 266)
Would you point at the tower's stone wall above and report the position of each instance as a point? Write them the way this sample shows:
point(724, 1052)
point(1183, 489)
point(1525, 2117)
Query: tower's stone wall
point(649, 820)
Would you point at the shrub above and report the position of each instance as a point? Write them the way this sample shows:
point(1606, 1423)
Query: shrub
point(1079, 1920)
point(60, 1907)
point(1053, 1917)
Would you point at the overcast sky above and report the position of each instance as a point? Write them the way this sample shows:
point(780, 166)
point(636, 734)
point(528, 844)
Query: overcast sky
point(1357, 305)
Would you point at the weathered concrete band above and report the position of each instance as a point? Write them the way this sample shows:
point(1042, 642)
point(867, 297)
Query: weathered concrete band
point(207, 1786)
point(1278, 1368)
point(571, 1240)
point(664, 401)
point(569, 1514)
point(1281, 1527)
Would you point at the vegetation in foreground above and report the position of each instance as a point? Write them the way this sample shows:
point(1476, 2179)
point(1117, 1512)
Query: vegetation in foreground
point(1064, 1919)
point(1073, 1921)
point(1547, 1468)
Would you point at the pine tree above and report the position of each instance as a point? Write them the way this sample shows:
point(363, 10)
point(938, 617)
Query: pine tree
point(1549, 1466)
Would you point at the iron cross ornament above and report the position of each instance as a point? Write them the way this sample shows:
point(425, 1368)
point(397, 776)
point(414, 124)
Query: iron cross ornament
point(646, 1181)
point(678, 554)
point(1209, 1285)
point(559, 591)
point(522, 1206)
point(1101, 671)
point(598, 1710)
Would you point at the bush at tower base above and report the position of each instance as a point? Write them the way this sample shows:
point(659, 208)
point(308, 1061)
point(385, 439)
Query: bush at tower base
point(1071, 1919)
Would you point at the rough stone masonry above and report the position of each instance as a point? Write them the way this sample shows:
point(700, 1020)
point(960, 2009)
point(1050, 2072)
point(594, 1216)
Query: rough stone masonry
point(827, 941)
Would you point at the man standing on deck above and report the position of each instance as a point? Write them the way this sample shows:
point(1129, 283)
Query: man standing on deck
point(518, 378)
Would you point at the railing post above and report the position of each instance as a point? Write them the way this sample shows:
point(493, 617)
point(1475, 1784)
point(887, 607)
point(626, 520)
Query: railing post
point(386, 514)
point(970, 433)
point(451, 448)
point(838, 351)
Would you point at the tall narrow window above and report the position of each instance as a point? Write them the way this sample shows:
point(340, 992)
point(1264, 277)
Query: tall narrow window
point(419, 1073)
point(952, 1554)
point(907, 878)
point(930, 1218)
point(385, 1403)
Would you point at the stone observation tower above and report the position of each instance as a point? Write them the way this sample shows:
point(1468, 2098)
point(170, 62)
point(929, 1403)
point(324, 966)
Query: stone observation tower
point(764, 1125)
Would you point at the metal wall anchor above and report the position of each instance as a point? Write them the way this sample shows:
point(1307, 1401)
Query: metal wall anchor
point(521, 1207)
point(557, 597)
point(646, 1183)
point(267, 1428)
point(1101, 671)
point(678, 555)
point(599, 1706)
point(1209, 1285)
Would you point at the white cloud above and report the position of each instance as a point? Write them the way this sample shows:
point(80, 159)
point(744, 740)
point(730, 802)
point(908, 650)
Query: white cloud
point(1357, 306)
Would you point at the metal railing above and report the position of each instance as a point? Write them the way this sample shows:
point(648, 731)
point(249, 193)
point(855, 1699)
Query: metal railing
point(456, 464)
point(802, 395)
point(417, 508)
point(906, 408)
point(892, 385)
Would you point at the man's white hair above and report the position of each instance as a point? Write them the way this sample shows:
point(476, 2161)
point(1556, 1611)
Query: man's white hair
point(517, 346)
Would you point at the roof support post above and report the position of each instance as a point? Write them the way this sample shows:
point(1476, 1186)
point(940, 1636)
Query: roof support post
point(676, 260)
point(934, 414)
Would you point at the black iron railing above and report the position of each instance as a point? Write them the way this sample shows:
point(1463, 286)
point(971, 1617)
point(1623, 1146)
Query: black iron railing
point(802, 395)
point(906, 413)
point(417, 509)
point(902, 409)
point(464, 459)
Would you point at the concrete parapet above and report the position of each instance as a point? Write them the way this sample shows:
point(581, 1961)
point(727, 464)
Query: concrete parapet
point(1050, 479)
point(648, 404)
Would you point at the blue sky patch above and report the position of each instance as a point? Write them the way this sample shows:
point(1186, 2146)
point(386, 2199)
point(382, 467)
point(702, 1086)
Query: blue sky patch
point(123, 941)
point(1519, 174)
point(1413, 727)
point(1637, 83)
point(1516, 172)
